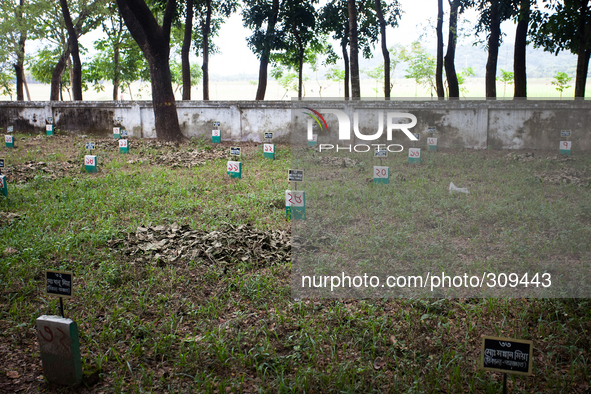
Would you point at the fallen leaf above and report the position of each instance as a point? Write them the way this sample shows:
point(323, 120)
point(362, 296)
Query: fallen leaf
point(12, 374)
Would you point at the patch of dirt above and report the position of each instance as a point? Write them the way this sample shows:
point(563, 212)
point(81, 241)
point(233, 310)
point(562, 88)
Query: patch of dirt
point(181, 159)
point(167, 244)
point(22, 173)
point(565, 176)
point(525, 156)
point(336, 161)
point(7, 218)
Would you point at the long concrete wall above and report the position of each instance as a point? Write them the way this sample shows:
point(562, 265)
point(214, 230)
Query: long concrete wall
point(496, 124)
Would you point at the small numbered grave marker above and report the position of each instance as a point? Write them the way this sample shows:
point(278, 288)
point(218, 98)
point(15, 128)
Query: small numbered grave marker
point(506, 355)
point(314, 140)
point(234, 169)
point(3, 186)
point(123, 146)
point(565, 147)
point(381, 175)
point(414, 155)
point(60, 350)
point(116, 132)
point(49, 129)
point(432, 144)
point(295, 204)
point(417, 136)
point(216, 136)
point(9, 139)
point(90, 164)
point(269, 151)
point(216, 124)
point(430, 129)
point(565, 133)
point(295, 175)
point(269, 136)
point(235, 151)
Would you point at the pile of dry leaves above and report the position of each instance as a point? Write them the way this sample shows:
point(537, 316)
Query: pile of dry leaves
point(167, 244)
point(560, 158)
point(181, 159)
point(25, 172)
point(565, 176)
point(526, 156)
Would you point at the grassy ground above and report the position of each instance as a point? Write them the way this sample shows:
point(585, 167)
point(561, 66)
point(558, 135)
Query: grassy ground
point(193, 326)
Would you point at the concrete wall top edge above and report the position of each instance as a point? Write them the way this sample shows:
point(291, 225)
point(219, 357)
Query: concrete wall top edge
point(369, 104)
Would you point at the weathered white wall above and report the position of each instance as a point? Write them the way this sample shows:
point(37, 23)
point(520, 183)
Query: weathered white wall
point(532, 124)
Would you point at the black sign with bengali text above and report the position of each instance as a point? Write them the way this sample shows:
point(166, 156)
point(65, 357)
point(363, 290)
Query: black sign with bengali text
point(380, 153)
point(417, 136)
point(431, 129)
point(123, 133)
point(235, 151)
point(90, 145)
point(59, 283)
point(506, 355)
point(269, 136)
point(565, 133)
point(295, 176)
point(216, 124)
point(1, 163)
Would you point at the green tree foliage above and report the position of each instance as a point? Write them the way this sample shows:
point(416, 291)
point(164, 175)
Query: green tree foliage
point(566, 25)
point(118, 58)
point(421, 65)
point(561, 80)
point(176, 73)
point(17, 25)
point(465, 73)
point(506, 77)
point(261, 16)
point(334, 20)
point(300, 37)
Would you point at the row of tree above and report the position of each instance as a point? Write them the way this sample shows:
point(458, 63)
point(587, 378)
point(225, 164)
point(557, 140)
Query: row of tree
point(285, 34)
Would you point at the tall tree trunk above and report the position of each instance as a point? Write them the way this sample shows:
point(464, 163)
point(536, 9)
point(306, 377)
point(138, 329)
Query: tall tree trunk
point(185, 50)
point(519, 71)
point(56, 75)
point(493, 50)
point(584, 51)
point(439, 66)
point(354, 50)
point(205, 66)
point(20, 54)
point(116, 74)
point(385, 53)
point(296, 34)
point(269, 35)
point(18, 71)
point(26, 85)
point(347, 93)
point(154, 41)
point(76, 81)
point(450, 56)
